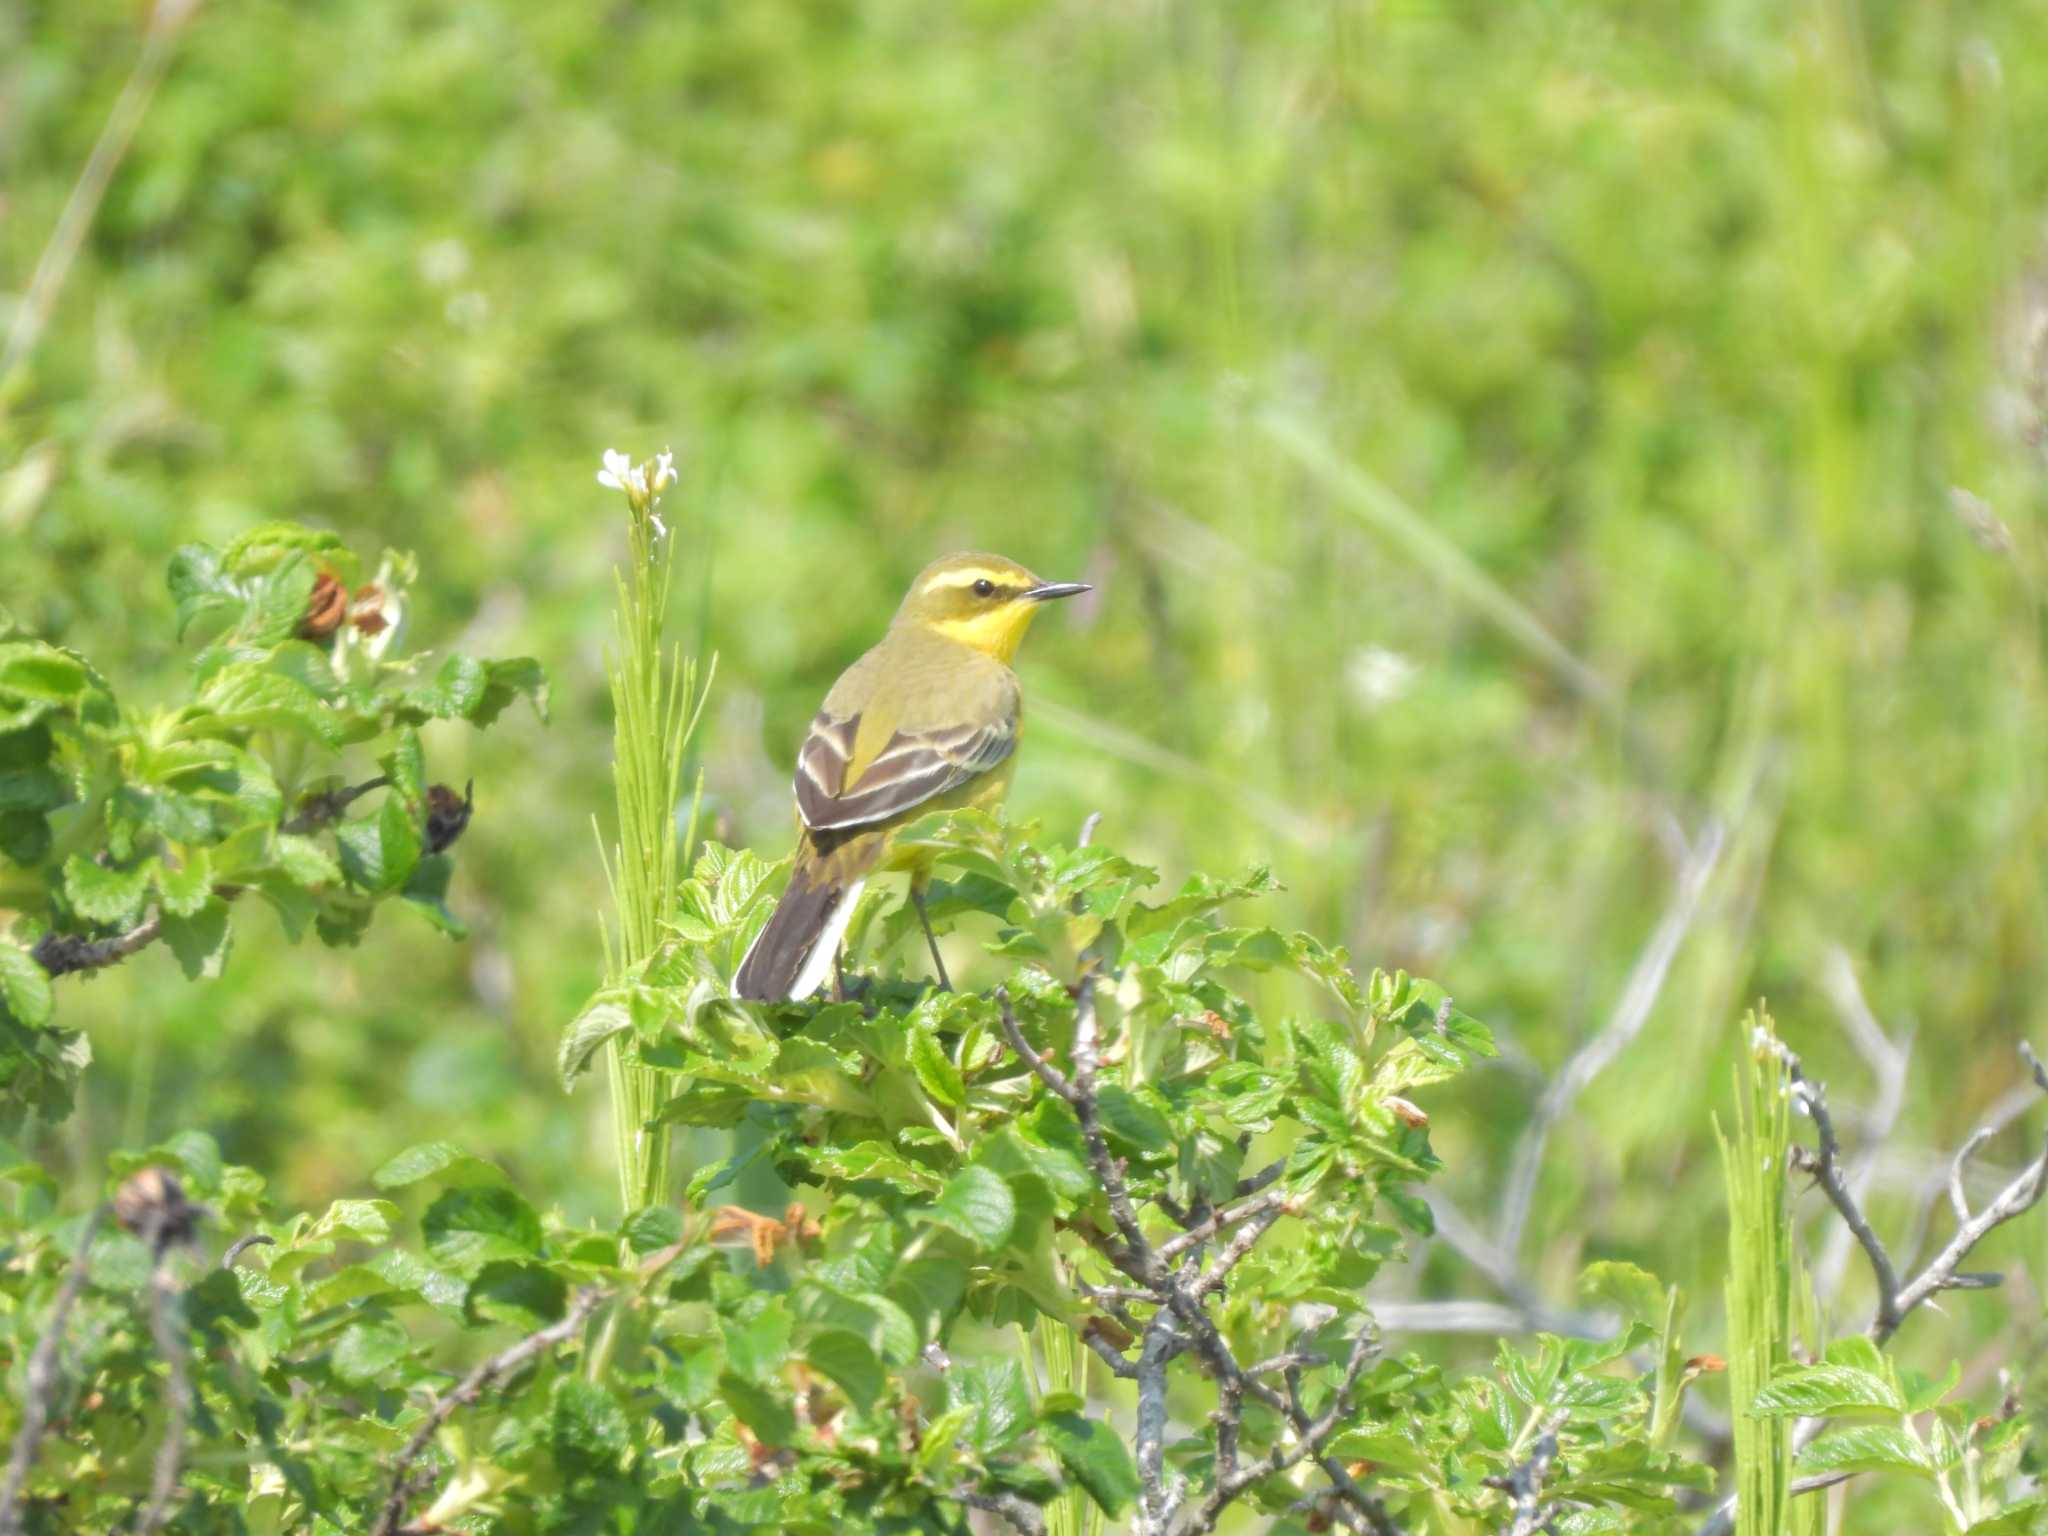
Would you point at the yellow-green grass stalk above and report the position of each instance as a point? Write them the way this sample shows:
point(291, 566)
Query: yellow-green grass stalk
point(1058, 1365)
point(1767, 1288)
point(657, 699)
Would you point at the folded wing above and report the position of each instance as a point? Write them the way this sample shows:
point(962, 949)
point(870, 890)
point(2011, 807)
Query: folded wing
point(911, 768)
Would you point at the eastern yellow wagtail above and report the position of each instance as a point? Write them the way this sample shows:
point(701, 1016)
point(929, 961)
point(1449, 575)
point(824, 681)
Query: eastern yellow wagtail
point(926, 721)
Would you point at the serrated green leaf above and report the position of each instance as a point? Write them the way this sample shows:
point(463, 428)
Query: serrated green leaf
point(1128, 1119)
point(605, 1017)
point(1865, 1448)
point(246, 696)
point(651, 1228)
point(2027, 1517)
point(506, 682)
point(303, 861)
point(405, 765)
point(1817, 1390)
point(1094, 1456)
point(872, 1160)
point(976, 1203)
point(367, 1349)
point(1000, 1398)
point(359, 1221)
point(757, 1346)
point(436, 1160)
point(201, 940)
point(185, 889)
point(1632, 1290)
point(24, 987)
point(936, 1444)
point(771, 1419)
point(474, 1224)
point(111, 897)
point(935, 1071)
point(587, 1428)
point(521, 1296)
point(845, 1360)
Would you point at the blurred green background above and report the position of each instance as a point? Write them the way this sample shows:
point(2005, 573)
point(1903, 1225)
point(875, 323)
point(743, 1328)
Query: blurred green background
point(1508, 441)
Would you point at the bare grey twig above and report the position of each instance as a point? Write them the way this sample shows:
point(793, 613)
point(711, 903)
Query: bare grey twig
point(1638, 997)
point(1172, 1278)
point(1524, 1484)
point(163, 1306)
point(317, 810)
point(242, 1245)
point(167, 19)
point(1888, 1065)
point(42, 1382)
point(405, 1483)
point(1897, 1299)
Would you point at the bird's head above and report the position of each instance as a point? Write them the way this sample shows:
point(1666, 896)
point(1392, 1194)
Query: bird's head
point(983, 601)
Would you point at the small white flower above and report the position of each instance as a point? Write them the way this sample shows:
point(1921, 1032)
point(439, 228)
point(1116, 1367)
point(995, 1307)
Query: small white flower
point(664, 474)
point(1379, 676)
point(618, 473)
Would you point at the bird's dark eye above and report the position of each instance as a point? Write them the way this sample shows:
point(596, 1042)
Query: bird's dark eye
point(984, 588)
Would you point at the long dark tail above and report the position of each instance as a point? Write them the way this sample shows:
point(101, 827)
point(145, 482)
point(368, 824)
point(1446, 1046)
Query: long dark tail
point(792, 956)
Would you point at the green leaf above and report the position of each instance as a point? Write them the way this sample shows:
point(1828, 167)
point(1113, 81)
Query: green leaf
point(935, 1071)
point(405, 765)
point(186, 889)
point(200, 585)
point(1094, 1456)
point(378, 857)
point(872, 1160)
point(602, 1018)
point(845, 1360)
point(24, 986)
point(111, 897)
point(767, 1416)
point(441, 1160)
point(367, 1349)
point(1818, 1390)
point(303, 861)
point(652, 1228)
point(200, 941)
point(246, 696)
point(1865, 1448)
point(587, 1428)
point(356, 1221)
point(2028, 1517)
point(977, 1204)
point(1128, 1119)
point(939, 1435)
point(426, 892)
point(758, 1346)
point(995, 1389)
point(521, 1296)
point(474, 1224)
point(517, 677)
point(1631, 1290)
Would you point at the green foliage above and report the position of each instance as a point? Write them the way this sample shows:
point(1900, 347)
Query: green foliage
point(120, 825)
point(824, 1365)
point(1883, 1417)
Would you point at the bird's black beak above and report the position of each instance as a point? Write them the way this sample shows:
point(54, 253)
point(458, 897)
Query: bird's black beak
point(1046, 591)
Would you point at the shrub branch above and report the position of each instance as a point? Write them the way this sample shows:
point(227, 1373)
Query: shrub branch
point(1176, 1278)
point(44, 1379)
point(405, 1483)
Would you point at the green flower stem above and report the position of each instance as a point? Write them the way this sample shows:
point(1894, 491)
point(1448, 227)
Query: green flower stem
point(656, 701)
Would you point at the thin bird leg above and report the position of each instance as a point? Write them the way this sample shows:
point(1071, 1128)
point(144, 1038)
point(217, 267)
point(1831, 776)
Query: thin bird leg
point(930, 938)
